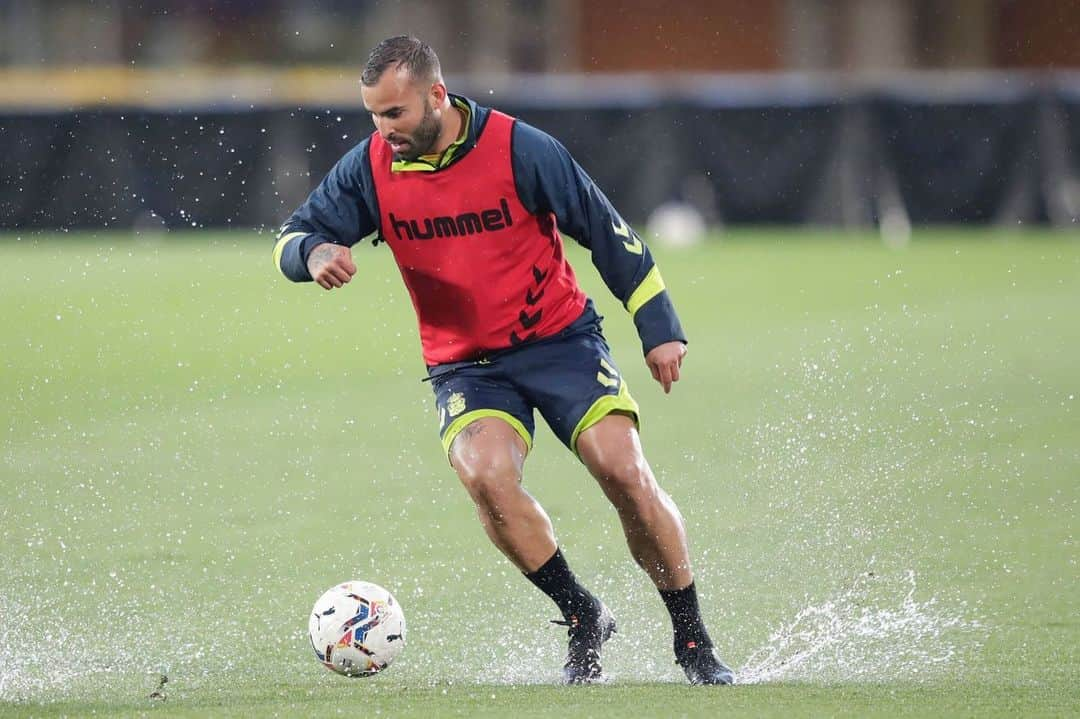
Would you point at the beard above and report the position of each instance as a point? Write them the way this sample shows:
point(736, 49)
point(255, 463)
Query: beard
point(423, 139)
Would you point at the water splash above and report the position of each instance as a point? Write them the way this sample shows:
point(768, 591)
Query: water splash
point(877, 629)
point(45, 656)
point(25, 672)
point(865, 635)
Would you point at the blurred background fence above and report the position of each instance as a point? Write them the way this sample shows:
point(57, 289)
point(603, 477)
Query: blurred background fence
point(849, 113)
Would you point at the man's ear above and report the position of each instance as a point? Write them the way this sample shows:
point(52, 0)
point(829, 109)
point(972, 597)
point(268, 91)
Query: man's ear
point(437, 94)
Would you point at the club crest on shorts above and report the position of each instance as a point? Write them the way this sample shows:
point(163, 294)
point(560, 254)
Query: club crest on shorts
point(456, 404)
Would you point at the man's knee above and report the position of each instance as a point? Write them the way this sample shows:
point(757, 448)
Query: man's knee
point(488, 457)
point(612, 452)
point(485, 477)
point(626, 476)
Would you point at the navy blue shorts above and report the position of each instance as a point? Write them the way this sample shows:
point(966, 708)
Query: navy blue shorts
point(570, 378)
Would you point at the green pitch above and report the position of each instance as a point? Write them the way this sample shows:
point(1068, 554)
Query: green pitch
point(877, 453)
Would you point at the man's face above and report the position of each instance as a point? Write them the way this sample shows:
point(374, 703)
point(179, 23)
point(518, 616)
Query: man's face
point(405, 113)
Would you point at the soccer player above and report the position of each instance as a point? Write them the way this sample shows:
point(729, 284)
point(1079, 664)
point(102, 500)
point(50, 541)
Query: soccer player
point(471, 203)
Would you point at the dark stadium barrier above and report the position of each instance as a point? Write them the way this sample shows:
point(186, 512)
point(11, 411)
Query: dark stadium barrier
point(971, 162)
point(1059, 146)
point(1003, 158)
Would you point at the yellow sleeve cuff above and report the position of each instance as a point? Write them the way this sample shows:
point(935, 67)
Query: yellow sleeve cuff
point(650, 287)
point(279, 248)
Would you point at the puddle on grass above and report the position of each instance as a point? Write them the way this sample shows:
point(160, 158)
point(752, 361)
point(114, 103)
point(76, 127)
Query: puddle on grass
point(877, 629)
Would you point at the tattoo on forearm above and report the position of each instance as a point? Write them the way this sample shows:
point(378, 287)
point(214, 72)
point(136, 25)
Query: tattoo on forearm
point(320, 256)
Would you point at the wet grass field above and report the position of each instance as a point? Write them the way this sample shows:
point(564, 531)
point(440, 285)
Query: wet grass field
point(877, 453)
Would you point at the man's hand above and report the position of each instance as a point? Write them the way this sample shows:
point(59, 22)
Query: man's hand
point(331, 265)
point(664, 362)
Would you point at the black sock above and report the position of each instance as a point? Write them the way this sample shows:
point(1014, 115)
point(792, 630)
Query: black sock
point(555, 579)
point(690, 631)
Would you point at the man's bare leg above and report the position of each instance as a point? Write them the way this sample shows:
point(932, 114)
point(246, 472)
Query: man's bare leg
point(656, 536)
point(651, 521)
point(489, 456)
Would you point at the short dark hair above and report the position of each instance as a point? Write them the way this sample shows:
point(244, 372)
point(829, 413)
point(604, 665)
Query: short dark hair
point(408, 52)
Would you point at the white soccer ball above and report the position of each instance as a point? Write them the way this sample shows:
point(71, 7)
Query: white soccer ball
point(676, 224)
point(357, 629)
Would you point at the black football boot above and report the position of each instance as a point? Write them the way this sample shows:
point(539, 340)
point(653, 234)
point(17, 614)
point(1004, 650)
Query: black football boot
point(587, 636)
point(703, 666)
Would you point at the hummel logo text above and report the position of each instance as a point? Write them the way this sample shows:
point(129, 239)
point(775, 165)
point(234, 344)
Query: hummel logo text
point(467, 223)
